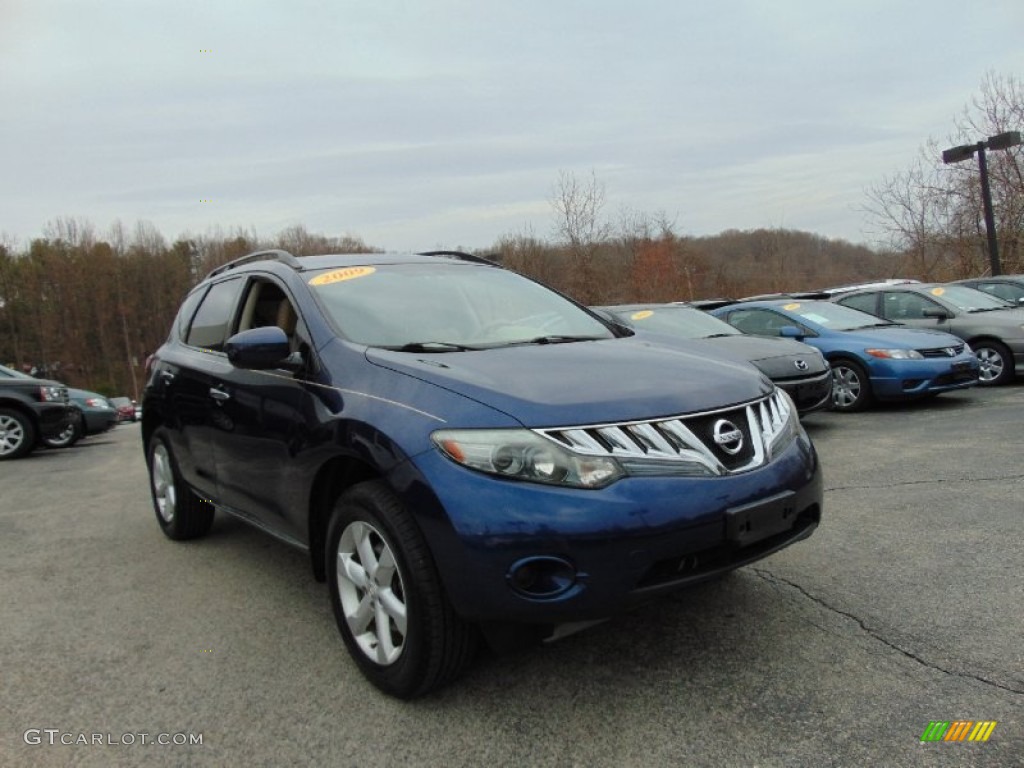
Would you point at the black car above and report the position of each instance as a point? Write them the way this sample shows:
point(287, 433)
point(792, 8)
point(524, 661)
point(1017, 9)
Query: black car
point(31, 411)
point(793, 366)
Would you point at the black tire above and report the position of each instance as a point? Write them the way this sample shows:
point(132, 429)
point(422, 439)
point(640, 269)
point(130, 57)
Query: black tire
point(851, 388)
point(181, 514)
point(996, 363)
point(71, 434)
point(17, 434)
point(400, 583)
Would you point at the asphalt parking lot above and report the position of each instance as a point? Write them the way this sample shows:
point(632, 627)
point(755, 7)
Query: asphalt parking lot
point(905, 607)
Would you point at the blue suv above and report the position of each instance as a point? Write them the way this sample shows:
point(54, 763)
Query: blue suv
point(464, 453)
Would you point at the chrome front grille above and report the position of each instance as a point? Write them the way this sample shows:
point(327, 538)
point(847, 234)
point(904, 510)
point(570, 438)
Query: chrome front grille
point(724, 441)
point(942, 351)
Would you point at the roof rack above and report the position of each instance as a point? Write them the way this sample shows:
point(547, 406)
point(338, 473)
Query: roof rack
point(271, 255)
point(461, 255)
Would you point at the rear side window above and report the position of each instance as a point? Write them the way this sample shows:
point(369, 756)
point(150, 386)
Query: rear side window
point(865, 302)
point(759, 322)
point(210, 325)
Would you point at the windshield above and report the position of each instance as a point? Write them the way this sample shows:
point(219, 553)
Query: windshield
point(835, 317)
point(684, 322)
point(446, 307)
point(968, 299)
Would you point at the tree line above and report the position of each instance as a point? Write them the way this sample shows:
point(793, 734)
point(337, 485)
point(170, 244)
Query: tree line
point(88, 309)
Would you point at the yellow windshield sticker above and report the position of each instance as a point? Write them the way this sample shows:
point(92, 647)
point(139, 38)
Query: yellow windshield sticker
point(338, 275)
point(791, 307)
point(641, 315)
point(938, 291)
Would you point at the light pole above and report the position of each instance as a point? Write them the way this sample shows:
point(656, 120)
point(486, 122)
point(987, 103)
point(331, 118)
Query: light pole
point(964, 152)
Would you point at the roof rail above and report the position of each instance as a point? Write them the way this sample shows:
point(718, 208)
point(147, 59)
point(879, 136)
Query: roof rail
point(461, 255)
point(270, 255)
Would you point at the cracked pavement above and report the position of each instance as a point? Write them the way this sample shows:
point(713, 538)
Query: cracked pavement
point(905, 606)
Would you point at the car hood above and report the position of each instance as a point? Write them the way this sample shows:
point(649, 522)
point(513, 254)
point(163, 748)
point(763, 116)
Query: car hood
point(776, 357)
point(899, 337)
point(624, 379)
point(996, 318)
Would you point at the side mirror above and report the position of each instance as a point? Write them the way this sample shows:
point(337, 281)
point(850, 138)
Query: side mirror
point(792, 332)
point(258, 348)
point(937, 313)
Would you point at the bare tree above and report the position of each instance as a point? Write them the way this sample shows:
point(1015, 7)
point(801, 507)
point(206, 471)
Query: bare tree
point(932, 213)
point(578, 207)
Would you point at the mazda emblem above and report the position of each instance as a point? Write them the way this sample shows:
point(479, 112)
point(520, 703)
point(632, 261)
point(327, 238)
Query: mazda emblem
point(800, 365)
point(727, 437)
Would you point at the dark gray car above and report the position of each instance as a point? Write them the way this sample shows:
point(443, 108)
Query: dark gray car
point(797, 368)
point(993, 328)
point(1007, 287)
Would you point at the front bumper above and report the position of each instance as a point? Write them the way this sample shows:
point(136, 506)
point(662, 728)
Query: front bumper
point(901, 379)
point(618, 545)
point(810, 394)
point(53, 419)
point(99, 420)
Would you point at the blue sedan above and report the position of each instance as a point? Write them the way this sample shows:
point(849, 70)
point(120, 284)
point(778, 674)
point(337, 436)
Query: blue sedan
point(870, 358)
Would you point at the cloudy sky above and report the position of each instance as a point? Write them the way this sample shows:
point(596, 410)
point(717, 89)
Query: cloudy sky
point(445, 123)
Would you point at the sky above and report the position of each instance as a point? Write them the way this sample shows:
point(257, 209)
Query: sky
point(448, 123)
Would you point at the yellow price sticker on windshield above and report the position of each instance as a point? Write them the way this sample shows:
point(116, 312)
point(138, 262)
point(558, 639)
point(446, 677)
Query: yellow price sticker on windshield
point(338, 275)
point(938, 291)
point(791, 307)
point(641, 315)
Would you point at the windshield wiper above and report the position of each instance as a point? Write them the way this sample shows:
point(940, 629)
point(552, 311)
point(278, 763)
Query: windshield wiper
point(988, 309)
point(873, 325)
point(721, 335)
point(433, 346)
point(560, 339)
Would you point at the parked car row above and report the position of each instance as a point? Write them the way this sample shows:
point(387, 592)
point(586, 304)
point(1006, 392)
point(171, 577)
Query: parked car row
point(57, 418)
point(888, 340)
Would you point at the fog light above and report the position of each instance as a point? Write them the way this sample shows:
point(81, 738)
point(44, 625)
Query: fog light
point(542, 577)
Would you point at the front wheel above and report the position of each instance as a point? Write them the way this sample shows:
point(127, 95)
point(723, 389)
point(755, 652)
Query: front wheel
point(180, 513)
point(996, 363)
point(70, 435)
point(17, 434)
point(388, 601)
point(851, 389)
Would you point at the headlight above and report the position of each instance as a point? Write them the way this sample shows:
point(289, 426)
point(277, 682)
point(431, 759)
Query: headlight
point(50, 394)
point(522, 455)
point(896, 354)
point(95, 402)
point(785, 424)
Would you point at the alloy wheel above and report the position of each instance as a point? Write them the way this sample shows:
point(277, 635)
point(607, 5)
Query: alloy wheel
point(846, 387)
point(371, 592)
point(991, 364)
point(162, 477)
point(12, 435)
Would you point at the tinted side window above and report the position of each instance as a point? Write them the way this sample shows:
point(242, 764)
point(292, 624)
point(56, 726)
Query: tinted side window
point(1012, 293)
point(906, 306)
point(210, 326)
point(865, 302)
point(760, 322)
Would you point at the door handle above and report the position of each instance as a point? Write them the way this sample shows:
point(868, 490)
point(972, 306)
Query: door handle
point(219, 395)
